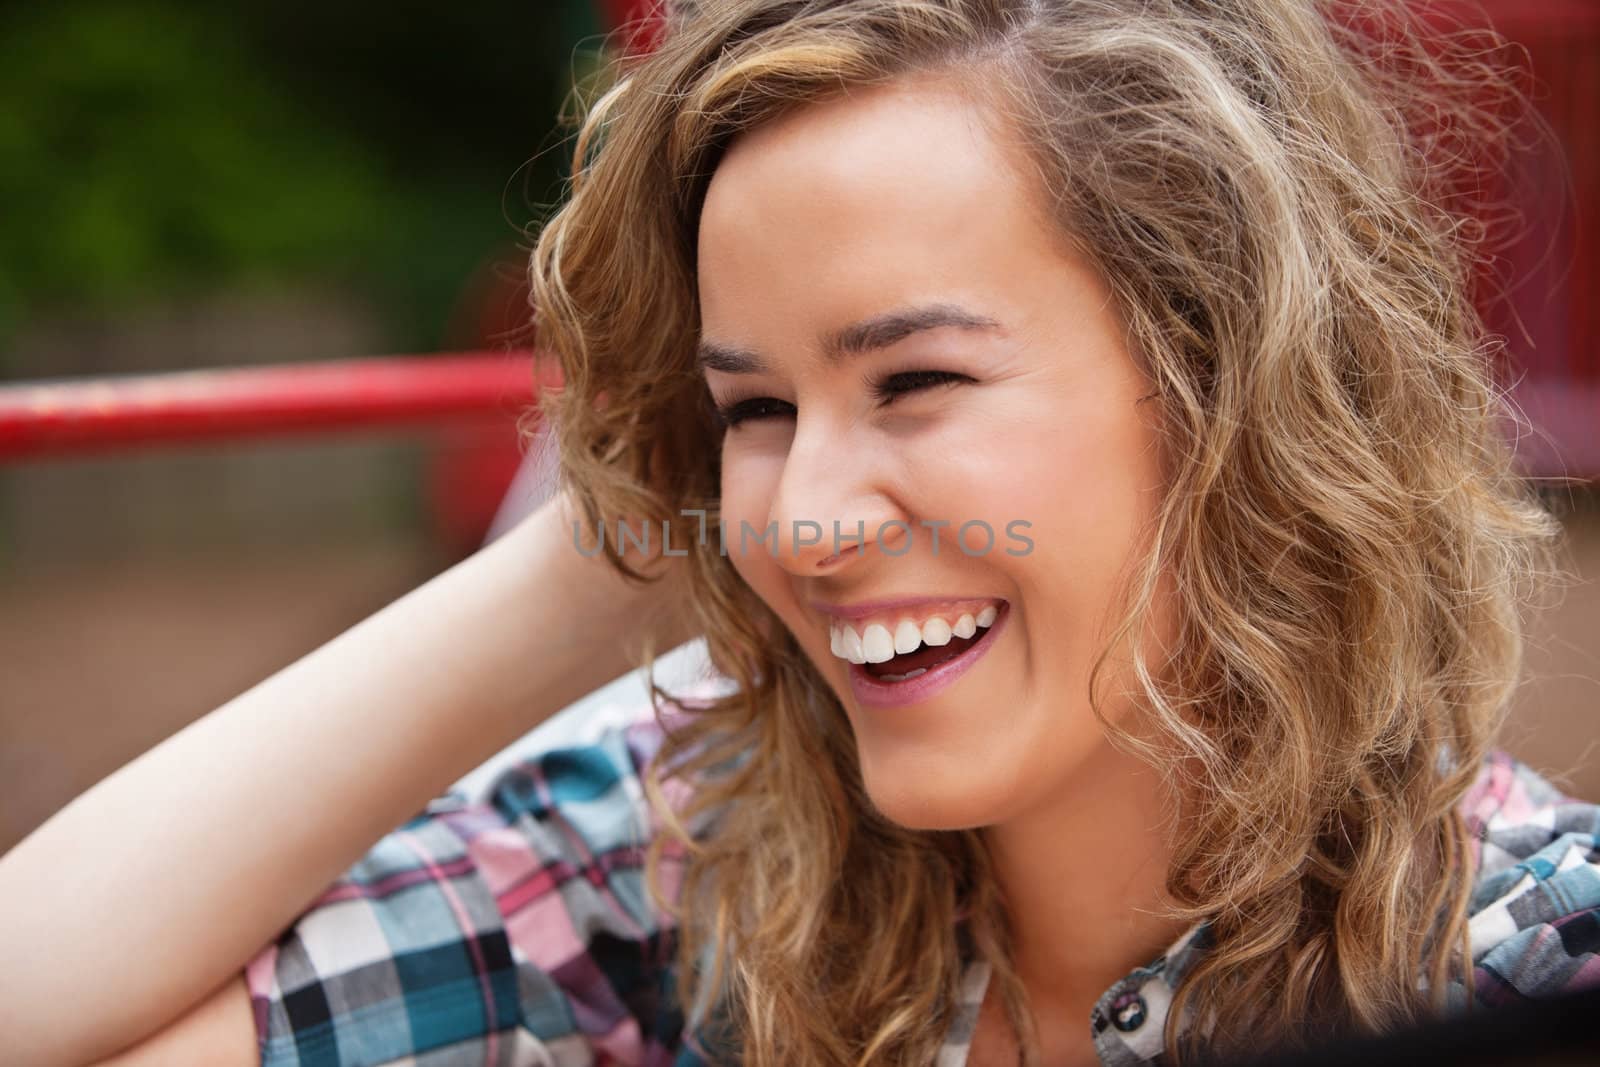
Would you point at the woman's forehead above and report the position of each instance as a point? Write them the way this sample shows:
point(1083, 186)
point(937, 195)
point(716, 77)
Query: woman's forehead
point(913, 141)
point(890, 195)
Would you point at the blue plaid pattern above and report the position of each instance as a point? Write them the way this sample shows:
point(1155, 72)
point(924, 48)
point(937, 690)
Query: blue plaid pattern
point(516, 931)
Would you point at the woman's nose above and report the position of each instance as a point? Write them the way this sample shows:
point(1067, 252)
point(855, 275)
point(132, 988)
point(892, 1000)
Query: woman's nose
point(830, 508)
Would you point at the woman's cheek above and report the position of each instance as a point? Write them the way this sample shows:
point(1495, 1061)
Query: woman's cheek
point(748, 482)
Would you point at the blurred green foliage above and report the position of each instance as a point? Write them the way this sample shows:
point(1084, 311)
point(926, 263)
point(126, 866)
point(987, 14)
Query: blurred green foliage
point(151, 148)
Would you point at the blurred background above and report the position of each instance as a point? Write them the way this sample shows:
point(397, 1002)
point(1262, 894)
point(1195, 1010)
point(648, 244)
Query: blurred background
point(188, 186)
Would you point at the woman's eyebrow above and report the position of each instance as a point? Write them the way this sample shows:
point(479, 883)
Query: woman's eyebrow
point(868, 335)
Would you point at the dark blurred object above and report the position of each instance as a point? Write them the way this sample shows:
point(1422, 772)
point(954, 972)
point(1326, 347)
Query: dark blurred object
point(1562, 1032)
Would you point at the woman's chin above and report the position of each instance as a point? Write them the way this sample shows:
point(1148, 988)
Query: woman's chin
point(929, 801)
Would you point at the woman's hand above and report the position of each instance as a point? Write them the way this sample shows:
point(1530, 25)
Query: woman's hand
point(154, 887)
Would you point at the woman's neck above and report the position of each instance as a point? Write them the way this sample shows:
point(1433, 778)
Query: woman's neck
point(1083, 874)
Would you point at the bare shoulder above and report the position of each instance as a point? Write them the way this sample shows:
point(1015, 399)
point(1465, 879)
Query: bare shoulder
point(218, 1032)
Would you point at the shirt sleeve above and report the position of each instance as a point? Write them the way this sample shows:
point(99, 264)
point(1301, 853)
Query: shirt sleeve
point(515, 930)
point(1535, 926)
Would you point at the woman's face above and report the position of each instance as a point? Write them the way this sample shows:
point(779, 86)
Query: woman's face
point(906, 349)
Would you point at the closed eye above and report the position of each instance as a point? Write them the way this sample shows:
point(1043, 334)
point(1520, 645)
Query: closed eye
point(894, 385)
point(884, 390)
point(734, 412)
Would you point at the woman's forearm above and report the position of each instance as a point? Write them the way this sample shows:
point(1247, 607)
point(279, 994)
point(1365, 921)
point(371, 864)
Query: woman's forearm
point(150, 889)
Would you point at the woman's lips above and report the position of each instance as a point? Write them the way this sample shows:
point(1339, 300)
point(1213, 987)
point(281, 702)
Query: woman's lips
point(875, 692)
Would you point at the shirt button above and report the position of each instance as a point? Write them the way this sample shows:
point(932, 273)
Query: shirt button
point(1128, 1012)
point(443, 805)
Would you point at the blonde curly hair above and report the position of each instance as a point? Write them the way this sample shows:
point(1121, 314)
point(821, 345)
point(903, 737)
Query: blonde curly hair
point(1351, 540)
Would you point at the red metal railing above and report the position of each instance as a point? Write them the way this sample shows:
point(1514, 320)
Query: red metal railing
point(65, 417)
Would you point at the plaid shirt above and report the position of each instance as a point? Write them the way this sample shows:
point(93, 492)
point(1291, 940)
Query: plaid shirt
point(517, 930)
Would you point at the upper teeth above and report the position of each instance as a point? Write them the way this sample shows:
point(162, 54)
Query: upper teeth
point(877, 643)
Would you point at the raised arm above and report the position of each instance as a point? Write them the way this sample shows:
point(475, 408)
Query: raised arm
point(154, 887)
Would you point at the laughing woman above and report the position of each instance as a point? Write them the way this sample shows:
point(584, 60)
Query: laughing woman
point(1088, 478)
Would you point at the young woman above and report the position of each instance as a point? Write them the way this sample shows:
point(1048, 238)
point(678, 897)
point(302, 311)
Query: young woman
point(1071, 431)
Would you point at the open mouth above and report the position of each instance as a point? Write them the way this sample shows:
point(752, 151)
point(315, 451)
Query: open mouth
point(903, 668)
point(936, 650)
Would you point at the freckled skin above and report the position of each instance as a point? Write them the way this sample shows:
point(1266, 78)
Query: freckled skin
point(900, 196)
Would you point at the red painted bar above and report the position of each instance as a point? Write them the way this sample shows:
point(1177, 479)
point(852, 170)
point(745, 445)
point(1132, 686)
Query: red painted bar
point(40, 419)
